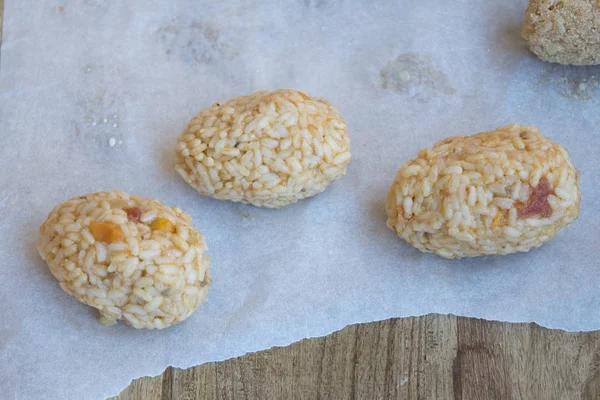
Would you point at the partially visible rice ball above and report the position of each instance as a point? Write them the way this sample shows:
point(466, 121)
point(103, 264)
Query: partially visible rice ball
point(565, 32)
point(131, 258)
point(269, 149)
point(492, 193)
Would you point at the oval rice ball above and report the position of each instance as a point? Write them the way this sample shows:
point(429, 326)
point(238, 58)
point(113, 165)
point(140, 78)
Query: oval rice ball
point(492, 193)
point(133, 259)
point(269, 149)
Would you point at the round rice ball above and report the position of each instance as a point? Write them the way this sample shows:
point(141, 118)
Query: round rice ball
point(269, 149)
point(131, 258)
point(493, 193)
point(565, 32)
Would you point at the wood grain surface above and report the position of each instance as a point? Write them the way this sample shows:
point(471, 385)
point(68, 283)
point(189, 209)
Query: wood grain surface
point(428, 357)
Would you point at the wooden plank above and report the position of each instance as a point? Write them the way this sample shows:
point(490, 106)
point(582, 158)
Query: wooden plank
point(428, 357)
point(145, 388)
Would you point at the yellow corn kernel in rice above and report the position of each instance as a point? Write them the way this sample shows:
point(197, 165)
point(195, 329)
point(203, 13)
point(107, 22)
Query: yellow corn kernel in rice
point(498, 219)
point(162, 224)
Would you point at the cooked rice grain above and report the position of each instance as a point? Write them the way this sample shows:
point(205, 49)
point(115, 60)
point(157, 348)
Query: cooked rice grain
point(493, 193)
point(122, 266)
point(269, 149)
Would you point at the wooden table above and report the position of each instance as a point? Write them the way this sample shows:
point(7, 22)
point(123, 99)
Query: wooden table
point(428, 357)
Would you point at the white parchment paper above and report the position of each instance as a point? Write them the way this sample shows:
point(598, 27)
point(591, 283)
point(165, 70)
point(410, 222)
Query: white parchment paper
point(75, 74)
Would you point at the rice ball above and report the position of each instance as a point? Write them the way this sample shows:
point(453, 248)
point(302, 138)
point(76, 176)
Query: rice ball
point(492, 193)
point(269, 149)
point(565, 32)
point(133, 259)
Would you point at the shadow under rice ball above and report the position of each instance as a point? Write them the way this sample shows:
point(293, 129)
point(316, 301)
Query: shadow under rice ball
point(269, 149)
point(131, 258)
point(493, 193)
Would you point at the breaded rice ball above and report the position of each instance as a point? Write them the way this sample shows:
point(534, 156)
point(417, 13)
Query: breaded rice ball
point(565, 31)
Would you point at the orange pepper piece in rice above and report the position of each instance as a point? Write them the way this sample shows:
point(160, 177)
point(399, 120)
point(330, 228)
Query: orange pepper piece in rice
point(107, 232)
